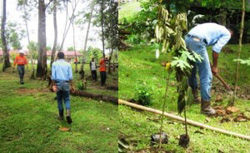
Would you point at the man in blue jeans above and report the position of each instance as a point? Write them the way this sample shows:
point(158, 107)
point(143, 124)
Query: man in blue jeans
point(198, 38)
point(61, 79)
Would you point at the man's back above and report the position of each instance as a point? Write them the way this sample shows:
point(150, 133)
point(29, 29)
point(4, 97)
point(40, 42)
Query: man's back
point(214, 34)
point(61, 71)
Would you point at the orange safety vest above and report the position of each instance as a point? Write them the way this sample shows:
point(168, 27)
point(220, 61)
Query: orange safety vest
point(20, 60)
point(102, 65)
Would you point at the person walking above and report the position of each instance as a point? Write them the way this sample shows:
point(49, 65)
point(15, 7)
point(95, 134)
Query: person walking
point(197, 39)
point(102, 70)
point(21, 61)
point(62, 79)
point(93, 67)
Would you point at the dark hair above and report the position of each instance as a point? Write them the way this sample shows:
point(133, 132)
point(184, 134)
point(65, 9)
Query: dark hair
point(231, 27)
point(60, 55)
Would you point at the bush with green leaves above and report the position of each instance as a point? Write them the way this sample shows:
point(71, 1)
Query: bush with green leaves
point(143, 95)
point(80, 86)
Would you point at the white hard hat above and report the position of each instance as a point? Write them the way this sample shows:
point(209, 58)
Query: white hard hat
point(21, 51)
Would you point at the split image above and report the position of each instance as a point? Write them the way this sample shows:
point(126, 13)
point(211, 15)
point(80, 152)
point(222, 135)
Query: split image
point(136, 76)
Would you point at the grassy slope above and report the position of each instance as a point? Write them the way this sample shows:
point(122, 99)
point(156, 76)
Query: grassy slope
point(139, 64)
point(29, 121)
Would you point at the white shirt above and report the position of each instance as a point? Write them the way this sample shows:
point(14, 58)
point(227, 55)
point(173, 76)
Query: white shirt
point(216, 35)
point(93, 66)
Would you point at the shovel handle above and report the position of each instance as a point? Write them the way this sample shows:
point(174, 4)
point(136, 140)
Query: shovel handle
point(222, 81)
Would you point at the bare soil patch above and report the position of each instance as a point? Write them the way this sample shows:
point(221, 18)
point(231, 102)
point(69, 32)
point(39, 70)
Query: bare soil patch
point(30, 91)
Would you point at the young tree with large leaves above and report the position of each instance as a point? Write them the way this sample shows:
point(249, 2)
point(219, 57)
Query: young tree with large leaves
point(169, 31)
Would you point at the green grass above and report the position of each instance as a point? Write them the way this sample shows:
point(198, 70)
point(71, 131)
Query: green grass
point(139, 65)
point(29, 120)
point(95, 87)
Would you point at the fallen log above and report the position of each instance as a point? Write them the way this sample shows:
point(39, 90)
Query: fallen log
point(190, 122)
point(112, 87)
point(111, 99)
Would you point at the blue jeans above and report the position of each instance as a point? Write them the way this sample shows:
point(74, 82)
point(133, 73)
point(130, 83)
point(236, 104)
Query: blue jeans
point(63, 95)
point(21, 71)
point(203, 67)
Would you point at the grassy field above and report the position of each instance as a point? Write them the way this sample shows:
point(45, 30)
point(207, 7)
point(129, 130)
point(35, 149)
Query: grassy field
point(28, 120)
point(138, 66)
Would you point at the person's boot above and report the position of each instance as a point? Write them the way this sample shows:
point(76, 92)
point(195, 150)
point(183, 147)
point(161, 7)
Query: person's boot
point(68, 118)
point(206, 108)
point(21, 80)
point(196, 97)
point(61, 115)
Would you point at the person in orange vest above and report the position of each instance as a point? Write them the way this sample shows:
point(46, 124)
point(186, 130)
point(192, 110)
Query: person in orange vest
point(102, 70)
point(20, 61)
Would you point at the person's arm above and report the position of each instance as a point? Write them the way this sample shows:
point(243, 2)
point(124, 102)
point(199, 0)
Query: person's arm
point(222, 41)
point(53, 76)
point(25, 61)
point(70, 73)
point(215, 62)
point(71, 79)
point(15, 61)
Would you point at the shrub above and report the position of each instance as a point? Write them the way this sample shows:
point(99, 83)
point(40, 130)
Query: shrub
point(143, 95)
point(80, 86)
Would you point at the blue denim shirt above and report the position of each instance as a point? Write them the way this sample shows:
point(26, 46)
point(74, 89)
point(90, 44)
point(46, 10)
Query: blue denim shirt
point(215, 35)
point(61, 71)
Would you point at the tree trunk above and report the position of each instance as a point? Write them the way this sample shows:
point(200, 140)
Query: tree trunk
point(42, 56)
point(28, 37)
point(106, 98)
point(110, 58)
point(6, 56)
point(102, 23)
point(74, 42)
point(240, 48)
point(74, 45)
point(66, 28)
point(87, 33)
point(89, 23)
point(55, 33)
